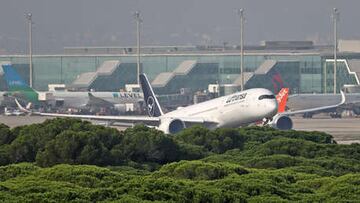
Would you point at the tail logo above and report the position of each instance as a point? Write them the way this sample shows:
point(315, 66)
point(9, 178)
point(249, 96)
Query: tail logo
point(281, 98)
point(282, 94)
point(16, 83)
point(151, 106)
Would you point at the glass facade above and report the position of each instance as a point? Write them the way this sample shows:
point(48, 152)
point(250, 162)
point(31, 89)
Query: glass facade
point(304, 73)
point(343, 76)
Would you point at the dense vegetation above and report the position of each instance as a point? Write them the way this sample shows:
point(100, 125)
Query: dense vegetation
point(72, 160)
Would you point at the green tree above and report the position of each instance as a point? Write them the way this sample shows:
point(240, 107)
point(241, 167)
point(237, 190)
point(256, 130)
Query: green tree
point(142, 144)
point(6, 136)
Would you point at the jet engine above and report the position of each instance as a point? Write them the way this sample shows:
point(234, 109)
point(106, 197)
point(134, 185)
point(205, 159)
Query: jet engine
point(281, 123)
point(172, 126)
point(356, 110)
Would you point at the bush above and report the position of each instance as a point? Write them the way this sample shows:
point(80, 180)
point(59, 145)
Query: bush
point(273, 161)
point(265, 134)
point(199, 170)
point(15, 170)
point(142, 144)
point(217, 141)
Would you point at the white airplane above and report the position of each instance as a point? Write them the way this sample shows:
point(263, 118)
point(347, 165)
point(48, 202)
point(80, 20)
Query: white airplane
point(235, 110)
point(282, 120)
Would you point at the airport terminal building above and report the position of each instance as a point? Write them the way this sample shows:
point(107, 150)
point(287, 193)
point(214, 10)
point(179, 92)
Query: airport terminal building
point(300, 65)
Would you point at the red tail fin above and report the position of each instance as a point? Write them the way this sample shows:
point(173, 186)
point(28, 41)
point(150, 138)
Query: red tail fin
point(281, 98)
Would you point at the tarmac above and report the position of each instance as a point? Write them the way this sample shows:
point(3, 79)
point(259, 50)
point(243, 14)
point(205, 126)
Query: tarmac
point(344, 130)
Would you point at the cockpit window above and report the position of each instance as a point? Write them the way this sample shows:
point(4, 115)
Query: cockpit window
point(271, 96)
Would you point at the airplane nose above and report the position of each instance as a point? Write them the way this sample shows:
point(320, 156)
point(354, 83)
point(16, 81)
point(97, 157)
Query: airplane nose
point(273, 108)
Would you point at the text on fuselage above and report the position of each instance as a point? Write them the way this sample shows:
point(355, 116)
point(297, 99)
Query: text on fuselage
point(236, 98)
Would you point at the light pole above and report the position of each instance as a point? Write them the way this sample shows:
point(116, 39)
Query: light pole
point(241, 13)
point(335, 18)
point(29, 18)
point(138, 21)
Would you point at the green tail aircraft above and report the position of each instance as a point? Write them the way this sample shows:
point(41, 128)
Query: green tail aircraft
point(17, 87)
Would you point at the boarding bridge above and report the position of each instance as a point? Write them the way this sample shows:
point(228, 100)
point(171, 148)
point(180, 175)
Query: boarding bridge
point(263, 69)
point(110, 76)
point(247, 76)
point(86, 79)
point(190, 75)
point(164, 78)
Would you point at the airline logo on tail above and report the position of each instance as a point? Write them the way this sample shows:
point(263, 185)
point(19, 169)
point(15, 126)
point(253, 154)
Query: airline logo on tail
point(152, 104)
point(17, 85)
point(11, 76)
point(281, 98)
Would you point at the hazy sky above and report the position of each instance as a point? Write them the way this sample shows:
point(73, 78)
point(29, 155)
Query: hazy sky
point(60, 23)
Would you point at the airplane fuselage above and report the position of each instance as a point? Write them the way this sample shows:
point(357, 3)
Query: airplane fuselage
point(233, 110)
point(80, 99)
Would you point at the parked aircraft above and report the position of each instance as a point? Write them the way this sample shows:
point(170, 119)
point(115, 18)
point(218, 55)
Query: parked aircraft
point(17, 88)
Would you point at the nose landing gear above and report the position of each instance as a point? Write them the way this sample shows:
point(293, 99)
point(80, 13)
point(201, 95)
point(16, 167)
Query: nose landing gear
point(335, 115)
point(266, 121)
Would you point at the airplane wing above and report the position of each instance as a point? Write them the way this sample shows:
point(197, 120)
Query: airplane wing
point(146, 120)
point(151, 121)
point(321, 108)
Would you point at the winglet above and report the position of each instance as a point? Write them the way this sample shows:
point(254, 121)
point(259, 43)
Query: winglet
point(343, 98)
point(152, 104)
point(281, 98)
point(28, 106)
point(21, 108)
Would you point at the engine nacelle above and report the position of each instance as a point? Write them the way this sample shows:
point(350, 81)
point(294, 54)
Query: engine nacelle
point(356, 110)
point(171, 126)
point(281, 123)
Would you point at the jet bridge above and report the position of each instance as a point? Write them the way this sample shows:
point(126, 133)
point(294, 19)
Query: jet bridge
point(110, 76)
point(164, 78)
point(190, 74)
point(86, 79)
